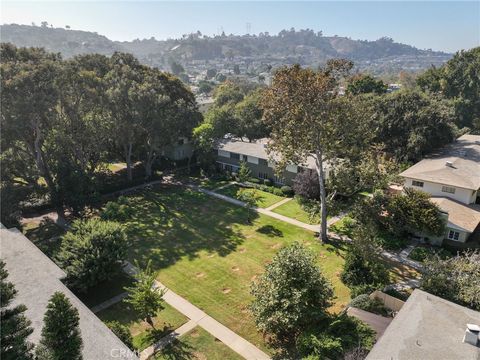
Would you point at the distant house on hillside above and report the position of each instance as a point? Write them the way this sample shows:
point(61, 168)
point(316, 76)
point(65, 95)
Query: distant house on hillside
point(230, 152)
point(452, 178)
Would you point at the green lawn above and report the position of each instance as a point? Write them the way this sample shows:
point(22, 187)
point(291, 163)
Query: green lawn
point(265, 200)
point(199, 345)
point(343, 226)
point(294, 210)
point(166, 321)
point(206, 251)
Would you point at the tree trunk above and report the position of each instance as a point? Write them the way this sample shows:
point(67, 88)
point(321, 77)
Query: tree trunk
point(149, 163)
point(323, 198)
point(128, 160)
point(150, 322)
point(45, 172)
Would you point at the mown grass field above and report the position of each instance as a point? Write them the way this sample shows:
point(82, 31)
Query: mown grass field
point(206, 251)
point(197, 345)
point(294, 210)
point(265, 199)
point(143, 335)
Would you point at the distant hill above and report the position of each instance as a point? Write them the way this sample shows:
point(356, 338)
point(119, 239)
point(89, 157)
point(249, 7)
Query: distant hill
point(289, 46)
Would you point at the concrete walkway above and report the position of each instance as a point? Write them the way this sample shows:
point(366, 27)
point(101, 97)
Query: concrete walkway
point(159, 345)
point(280, 203)
point(199, 317)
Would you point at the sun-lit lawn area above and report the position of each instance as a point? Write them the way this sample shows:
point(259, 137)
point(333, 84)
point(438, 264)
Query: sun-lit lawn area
point(343, 226)
point(294, 210)
point(207, 252)
point(114, 167)
point(165, 322)
point(197, 345)
point(265, 199)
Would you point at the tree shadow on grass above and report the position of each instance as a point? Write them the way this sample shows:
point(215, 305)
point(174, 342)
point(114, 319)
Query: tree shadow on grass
point(270, 231)
point(171, 222)
point(177, 350)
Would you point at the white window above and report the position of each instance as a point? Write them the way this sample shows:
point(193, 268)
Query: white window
point(417, 183)
point(224, 153)
point(453, 235)
point(292, 168)
point(252, 160)
point(448, 189)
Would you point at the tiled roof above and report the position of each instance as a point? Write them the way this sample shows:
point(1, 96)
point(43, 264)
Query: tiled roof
point(462, 216)
point(36, 278)
point(428, 328)
point(457, 164)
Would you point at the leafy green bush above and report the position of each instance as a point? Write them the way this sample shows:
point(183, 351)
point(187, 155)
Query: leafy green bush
point(287, 190)
point(375, 306)
point(254, 180)
point(122, 332)
point(267, 182)
point(423, 253)
point(119, 210)
point(277, 192)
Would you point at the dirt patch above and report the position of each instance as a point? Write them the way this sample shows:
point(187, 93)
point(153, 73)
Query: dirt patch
point(235, 268)
point(210, 256)
point(242, 250)
point(323, 256)
point(275, 246)
point(226, 290)
point(200, 274)
point(253, 278)
point(337, 274)
point(199, 356)
point(194, 333)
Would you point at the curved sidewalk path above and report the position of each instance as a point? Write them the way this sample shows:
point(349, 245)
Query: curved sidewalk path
point(199, 317)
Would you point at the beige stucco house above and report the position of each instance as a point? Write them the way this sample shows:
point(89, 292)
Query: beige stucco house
point(452, 177)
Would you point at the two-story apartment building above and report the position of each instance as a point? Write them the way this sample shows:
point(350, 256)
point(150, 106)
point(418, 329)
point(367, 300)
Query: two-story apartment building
point(452, 177)
point(230, 152)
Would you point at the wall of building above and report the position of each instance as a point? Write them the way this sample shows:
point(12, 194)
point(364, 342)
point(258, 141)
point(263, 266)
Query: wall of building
point(258, 168)
point(465, 196)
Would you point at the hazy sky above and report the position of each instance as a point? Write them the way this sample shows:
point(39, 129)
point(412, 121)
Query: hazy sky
point(439, 25)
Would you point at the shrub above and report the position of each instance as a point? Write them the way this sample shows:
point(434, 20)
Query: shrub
point(358, 270)
point(277, 192)
point(267, 182)
point(291, 294)
point(306, 185)
point(92, 251)
point(423, 253)
point(122, 332)
point(117, 211)
point(286, 190)
point(254, 180)
point(364, 302)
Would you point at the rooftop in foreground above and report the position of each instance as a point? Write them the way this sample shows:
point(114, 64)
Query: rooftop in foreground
point(36, 278)
point(427, 327)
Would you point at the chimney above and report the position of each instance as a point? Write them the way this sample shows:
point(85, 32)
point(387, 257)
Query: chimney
point(449, 164)
point(472, 334)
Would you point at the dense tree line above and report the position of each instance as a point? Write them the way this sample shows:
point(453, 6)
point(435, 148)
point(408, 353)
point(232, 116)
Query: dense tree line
point(63, 120)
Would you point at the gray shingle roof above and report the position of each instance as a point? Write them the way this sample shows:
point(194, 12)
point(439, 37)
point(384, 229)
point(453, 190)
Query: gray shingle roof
point(256, 149)
point(427, 328)
point(464, 172)
point(36, 278)
point(466, 217)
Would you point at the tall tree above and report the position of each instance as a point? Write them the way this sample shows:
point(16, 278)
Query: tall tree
point(28, 99)
point(307, 118)
point(61, 339)
point(123, 82)
point(167, 110)
point(364, 84)
point(458, 80)
point(15, 327)
point(412, 124)
point(145, 298)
